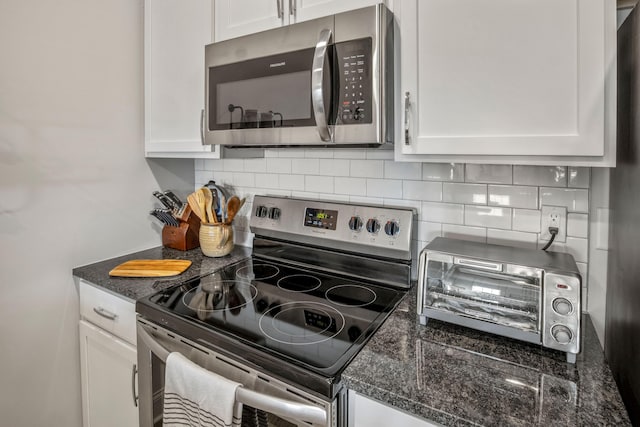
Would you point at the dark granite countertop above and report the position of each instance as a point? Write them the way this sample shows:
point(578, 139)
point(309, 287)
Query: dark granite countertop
point(136, 288)
point(460, 377)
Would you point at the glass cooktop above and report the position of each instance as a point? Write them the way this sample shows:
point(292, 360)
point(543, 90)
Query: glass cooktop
point(309, 318)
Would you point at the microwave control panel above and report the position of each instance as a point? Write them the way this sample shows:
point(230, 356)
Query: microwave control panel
point(353, 59)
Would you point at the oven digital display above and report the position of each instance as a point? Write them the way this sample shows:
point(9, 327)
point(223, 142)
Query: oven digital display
point(320, 218)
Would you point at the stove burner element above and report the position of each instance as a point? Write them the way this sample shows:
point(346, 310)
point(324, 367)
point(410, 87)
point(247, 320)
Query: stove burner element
point(301, 323)
point(219, 295)
point(299, 283)
point(351, 295)
point(258, 272)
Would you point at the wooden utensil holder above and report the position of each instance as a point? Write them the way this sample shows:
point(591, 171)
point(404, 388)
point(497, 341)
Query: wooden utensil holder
point(186, 235)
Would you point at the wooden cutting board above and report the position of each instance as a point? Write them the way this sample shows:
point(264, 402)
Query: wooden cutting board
point(150, 268)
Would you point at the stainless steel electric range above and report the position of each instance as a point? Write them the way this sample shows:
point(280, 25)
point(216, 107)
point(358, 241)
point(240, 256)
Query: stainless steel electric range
point(286, 322)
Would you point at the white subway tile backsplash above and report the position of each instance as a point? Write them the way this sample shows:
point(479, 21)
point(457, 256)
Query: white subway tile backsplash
point(214, 165)
point(255, 165)
point(487, 216)
point(579, 248)
point(386, 188)
point(475, 234)
point(427, 231)
point(549, 176)
point(512, 238)
point(398, 170)
point(291, 153)
point(277, 165)
point(578, 225)
point(305, 166)
point(358, 154)
point(464, 193)
point(430, 191)
point(202, 177)
point(381, 154)
point(234, 165)
point(513, 196)
point(243, 179)
point(335, 197)
point(526, 220)
point(335, 167)
point(367, 168)
point(320, 153)
point(446, 213)
point(305, 195)
point(415, 204)
point(579, 177)
point(575, 200)
point(446, 172)
point(267, 180)
point(292, 182)
point(318, 184)
point(350, 186)
point(271, 152)
point(488, 174)
point(198, 164)
point(366, 200)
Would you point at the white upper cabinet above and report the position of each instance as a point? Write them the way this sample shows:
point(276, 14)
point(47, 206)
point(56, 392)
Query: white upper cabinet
point(500, 81)
point(176, 32)
point(234, 18)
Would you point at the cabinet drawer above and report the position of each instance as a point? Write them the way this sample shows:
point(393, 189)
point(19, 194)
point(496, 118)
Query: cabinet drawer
point(108, 311)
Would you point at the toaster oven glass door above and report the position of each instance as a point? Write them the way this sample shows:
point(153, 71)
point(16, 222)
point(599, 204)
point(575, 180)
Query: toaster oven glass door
point(512, 299)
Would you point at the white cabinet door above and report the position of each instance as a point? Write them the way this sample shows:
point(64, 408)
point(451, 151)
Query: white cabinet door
point(502, 78)
point(235, 18)
point(304, 10)
point(364, 412)
point(108, 379)
point(176, 32)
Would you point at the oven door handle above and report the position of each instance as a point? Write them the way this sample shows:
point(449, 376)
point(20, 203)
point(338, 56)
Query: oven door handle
point(317, 89)
point(279, 407)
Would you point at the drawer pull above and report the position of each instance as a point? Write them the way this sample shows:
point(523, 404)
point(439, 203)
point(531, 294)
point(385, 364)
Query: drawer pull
point(134, 372)
point(104, 313)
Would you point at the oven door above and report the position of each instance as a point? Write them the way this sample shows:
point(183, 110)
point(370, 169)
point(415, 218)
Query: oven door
point(267, 402)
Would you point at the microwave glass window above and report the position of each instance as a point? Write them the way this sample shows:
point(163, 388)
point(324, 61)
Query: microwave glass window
point(266, 101)
point(499, 298)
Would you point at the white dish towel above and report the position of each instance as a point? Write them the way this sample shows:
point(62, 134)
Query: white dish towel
point(194, 396)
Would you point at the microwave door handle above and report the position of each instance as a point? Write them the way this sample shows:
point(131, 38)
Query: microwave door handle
point(279, 407)
point(317, 77)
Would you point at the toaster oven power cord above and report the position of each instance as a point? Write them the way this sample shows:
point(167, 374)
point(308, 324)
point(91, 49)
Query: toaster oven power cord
point(553, 231)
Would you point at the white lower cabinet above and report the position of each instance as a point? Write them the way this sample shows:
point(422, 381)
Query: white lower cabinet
point(108, 359)
point(365, 412)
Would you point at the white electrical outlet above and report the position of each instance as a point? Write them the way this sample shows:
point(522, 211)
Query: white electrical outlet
point(553, 216)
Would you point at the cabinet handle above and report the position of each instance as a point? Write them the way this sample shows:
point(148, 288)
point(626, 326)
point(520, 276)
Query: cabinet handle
point(104, 313)
point(279, 5)
point(292, 7)
point(202, 126)
point(134, 372)
point(407, 105)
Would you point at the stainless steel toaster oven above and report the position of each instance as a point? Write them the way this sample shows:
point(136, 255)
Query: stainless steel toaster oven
point(526, 294)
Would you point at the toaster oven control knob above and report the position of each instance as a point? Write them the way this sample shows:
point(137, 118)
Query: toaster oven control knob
point(261, 211)
point(391, 228)
point(355, 223)
point(274, 213)
point(373, 225)
point(562, 334)
point(562, 306)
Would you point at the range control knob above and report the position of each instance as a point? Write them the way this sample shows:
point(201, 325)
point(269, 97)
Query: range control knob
point(562, 306)
point(355, 223)
point(561, 334)
point(274, 213)
point(261, 211)
point(373, 225)
point(391, 228)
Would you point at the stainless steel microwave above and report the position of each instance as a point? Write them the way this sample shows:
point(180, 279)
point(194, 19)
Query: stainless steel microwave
point(526, 294)
point(326, 82)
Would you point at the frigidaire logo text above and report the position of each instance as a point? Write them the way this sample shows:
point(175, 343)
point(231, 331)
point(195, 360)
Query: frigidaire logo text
point(278, 64)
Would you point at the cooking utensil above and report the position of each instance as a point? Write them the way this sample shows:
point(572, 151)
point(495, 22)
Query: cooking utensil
point(166, 201)
point(165, 216)
point(180, 205)
point(233, 206)
point(150, 268)
point(192, 200)
point(208, 200)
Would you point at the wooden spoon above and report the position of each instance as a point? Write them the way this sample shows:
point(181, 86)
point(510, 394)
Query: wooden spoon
point(233, 206)
point(208, 201)
point(201, 199)
point(192, 200)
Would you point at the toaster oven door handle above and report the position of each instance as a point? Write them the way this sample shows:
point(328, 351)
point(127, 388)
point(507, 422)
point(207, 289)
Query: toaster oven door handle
point(279, 407)
point(317, 89)
point(485, 265)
